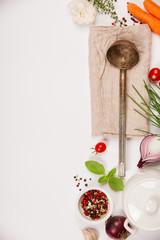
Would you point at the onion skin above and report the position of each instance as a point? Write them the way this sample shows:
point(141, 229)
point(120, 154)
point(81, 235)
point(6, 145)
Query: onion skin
point(115, 228)
point(148, 154)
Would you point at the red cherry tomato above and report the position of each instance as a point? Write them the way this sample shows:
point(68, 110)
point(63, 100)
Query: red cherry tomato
point(154, 74)
point(100, 147)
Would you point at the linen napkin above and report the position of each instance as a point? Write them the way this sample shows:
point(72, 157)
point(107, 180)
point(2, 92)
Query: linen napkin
point(104, 80)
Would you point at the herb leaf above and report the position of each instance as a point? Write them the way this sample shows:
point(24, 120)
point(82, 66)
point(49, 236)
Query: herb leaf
point(103, 179)
point(116, 183)
point(95, 167)
point(106, 7)
point(112, 172)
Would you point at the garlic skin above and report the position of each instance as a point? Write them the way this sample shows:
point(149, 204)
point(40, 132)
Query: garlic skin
point(83, 11)
point(149, 150)
point(90, 234)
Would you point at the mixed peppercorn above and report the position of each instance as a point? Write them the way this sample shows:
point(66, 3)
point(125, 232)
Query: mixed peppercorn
point(94, 204)
point(78, 180)
point(124, 21)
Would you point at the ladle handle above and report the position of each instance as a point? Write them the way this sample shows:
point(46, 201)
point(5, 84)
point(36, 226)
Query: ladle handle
point(122, 123)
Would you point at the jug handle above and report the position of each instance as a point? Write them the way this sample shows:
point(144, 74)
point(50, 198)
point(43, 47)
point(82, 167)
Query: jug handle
point(129, 227)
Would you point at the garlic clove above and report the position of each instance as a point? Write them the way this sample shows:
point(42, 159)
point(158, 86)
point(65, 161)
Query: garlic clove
point(93, 233)
point(90, 234)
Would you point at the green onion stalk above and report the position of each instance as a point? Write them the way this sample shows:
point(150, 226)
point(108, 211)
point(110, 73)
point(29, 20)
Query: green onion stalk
point(149, 111)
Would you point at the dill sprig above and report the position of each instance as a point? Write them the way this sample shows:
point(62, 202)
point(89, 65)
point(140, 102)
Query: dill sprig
point(152, 110)
point(106, 7)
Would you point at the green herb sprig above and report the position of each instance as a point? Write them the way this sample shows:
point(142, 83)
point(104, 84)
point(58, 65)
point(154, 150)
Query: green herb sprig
point(152, 111)
point(115, 183)
point(106, 7)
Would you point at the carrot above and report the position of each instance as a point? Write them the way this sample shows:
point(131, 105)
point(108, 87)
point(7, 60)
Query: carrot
point(152, 8)
point(154, 23)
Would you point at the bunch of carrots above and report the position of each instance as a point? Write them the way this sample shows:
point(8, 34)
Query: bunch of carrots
point(152, 18)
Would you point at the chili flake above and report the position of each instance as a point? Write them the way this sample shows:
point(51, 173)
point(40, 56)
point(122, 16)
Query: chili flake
point(94, 204)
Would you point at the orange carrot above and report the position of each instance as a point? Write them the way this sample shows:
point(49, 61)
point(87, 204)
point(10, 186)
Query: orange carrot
point(152, 8)
point(144, 17)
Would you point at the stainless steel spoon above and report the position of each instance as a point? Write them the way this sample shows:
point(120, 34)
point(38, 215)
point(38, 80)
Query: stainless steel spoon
point(124, 55)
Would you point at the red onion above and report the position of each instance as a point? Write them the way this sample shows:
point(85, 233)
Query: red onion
point(149, 150)
point(115, 228)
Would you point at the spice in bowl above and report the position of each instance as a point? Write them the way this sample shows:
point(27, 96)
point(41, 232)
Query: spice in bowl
point(94, 204)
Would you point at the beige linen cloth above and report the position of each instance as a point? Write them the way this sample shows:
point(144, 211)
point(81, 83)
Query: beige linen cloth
point(104, 80)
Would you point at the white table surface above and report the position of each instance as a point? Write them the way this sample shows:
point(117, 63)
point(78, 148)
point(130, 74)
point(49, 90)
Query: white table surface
point(45, 121)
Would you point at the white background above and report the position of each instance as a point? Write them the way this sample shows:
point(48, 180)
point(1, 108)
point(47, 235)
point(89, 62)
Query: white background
point(45, 121)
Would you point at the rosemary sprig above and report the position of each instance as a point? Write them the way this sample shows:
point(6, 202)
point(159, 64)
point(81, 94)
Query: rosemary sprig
point(153, 110)
point(106, 7)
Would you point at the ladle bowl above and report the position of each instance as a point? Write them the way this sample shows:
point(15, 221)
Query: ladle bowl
point(124, 55)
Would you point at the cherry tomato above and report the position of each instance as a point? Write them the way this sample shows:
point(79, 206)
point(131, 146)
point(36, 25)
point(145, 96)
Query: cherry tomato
point(154, 74)
point(100, 147)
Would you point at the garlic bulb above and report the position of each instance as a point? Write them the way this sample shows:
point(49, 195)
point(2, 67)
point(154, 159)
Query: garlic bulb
point(83, 11)
point(90, 234)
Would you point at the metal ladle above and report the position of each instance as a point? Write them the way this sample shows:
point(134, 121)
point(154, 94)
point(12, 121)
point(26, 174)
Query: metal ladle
point(124, 55)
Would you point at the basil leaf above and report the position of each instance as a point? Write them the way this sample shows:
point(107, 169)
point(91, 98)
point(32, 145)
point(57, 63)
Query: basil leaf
point(112, 172)
point(116, 183)
point(103, 179)
point(95, 167)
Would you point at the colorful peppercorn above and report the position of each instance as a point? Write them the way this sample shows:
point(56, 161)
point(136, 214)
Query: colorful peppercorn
point(94, 204)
